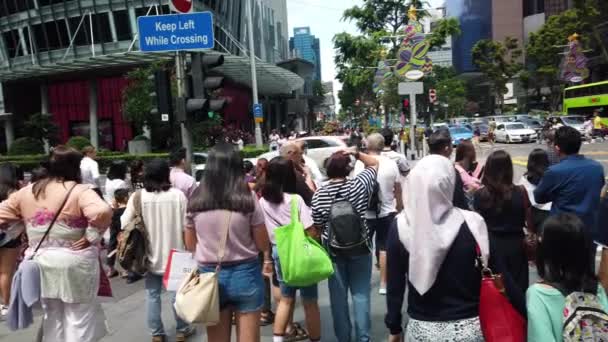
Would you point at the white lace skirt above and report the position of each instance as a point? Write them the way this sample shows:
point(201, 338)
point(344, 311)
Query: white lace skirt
point(465, 330)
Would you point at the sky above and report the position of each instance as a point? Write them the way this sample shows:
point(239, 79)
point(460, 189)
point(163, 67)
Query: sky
point(324, 19)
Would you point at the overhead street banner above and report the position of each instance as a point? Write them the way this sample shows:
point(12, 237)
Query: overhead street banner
point(176, 32)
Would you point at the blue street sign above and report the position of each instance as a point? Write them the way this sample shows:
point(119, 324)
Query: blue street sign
point(258, 113)
point(175, 32)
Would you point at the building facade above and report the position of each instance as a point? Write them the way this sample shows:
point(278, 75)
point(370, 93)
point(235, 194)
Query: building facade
point(305, 45)
point(441, 55)
point(475, 19)
point(69, 58)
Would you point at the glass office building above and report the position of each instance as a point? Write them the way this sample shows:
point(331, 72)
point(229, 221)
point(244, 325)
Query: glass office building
point(68, 58)
point(305, 45)
point(475, 23)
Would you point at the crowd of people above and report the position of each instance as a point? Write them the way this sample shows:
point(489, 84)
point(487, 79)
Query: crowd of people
point(424, 227)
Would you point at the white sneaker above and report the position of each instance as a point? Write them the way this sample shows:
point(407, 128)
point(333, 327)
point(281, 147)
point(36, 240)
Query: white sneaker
point(3, 311)
point(382, 291)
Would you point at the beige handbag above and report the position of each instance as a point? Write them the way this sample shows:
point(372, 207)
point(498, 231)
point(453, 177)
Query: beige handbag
point(198, 298)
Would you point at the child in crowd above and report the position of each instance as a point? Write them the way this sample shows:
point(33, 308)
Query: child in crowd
point(119, 204)
point(564, 266)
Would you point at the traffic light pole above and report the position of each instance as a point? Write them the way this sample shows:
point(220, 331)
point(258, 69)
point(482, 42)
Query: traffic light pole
point(181, 93)
point(254, 78)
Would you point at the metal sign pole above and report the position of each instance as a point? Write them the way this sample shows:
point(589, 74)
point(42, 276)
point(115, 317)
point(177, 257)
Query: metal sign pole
point(413, 126)
point(254, 78)
point(181, 93)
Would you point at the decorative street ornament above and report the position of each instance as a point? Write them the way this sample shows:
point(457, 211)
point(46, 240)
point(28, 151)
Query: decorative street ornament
point(384, 71)
point(413, 51)
point(412, 61)
point(574, 65)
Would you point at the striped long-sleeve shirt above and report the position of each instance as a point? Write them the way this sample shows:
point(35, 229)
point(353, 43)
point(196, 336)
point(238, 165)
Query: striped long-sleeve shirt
point(356, 190)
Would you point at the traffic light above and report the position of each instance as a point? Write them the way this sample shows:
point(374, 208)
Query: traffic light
point(201, 102)
point(405, 104)
point(161, 98)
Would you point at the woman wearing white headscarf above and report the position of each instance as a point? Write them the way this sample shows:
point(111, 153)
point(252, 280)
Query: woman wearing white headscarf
point(432, 247)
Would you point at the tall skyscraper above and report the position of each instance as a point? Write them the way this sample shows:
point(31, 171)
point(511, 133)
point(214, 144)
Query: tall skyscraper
point(491, 19)
point(305, 45)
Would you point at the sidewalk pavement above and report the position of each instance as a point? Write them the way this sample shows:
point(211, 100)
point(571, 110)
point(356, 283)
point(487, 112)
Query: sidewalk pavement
point(126, 317)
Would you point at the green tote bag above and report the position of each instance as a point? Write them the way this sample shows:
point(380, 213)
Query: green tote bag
point(304, 261)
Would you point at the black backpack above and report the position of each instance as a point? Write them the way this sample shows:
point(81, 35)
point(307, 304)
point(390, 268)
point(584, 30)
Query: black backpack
point(347, 233)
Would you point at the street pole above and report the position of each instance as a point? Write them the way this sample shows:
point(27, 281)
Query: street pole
point(181, 93)
point(413, 126)
point(254, 76)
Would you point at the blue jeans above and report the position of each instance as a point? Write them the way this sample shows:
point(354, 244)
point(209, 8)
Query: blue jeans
point(241, 286)
point(154, 285)
point(354, 274)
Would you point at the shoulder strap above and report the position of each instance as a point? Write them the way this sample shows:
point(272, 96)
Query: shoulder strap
point(48, 230)
point(295, 210)
point(137, 203)
point(222, 249)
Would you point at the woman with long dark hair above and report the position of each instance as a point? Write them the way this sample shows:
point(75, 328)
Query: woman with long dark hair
point(278, 193)
point(68, 257)
point(503, 206)
point(468, 167)
point(10, 242)
point(538, 163)
point(564, 267)
point(223, 203)
point(163, 211)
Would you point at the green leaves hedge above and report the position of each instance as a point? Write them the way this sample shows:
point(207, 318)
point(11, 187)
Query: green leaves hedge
point(31, 161)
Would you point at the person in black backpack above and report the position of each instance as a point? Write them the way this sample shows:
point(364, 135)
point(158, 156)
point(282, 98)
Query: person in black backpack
point(338, 211)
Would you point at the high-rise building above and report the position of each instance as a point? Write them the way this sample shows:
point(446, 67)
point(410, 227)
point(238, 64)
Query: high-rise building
point(556, 6)
point(68, 59)
point(491, 19)
point(305, 45)
point(441, 55)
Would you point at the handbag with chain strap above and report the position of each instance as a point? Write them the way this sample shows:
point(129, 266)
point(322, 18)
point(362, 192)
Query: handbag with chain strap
point(198, 298)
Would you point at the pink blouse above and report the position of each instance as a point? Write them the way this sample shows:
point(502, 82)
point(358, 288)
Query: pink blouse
point(471, 183)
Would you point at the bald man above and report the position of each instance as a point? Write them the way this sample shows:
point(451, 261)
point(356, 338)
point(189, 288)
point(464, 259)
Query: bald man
point(305, 186)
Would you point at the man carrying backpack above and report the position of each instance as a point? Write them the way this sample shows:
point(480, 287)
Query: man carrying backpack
point(385, 202)
point(338, 211)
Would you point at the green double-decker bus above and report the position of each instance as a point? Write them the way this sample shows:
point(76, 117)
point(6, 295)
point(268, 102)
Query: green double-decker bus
point(584, 99)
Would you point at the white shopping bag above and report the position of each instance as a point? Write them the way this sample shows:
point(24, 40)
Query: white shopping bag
point(179, 265)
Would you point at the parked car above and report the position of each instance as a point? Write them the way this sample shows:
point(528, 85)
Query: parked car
point(460, 134)
point(317, 148)
point(199, 160)
point(439, 125)
point(575, 121)
point(483, 130)
point(514, 132)
point(460, 120)
point(534, 124)
point(501, 118)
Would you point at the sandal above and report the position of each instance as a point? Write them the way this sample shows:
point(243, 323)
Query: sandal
point(297, 333)
point(266, 318)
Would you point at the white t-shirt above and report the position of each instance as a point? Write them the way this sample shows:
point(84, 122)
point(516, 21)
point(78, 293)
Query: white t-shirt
point(111, 186)
point(530, 189)
point(277, 215)
point(164, 214)
point(388, 176)
point(89, 171)
point(402, 164)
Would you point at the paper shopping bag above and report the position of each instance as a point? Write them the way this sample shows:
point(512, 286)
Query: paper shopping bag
point(179, 265)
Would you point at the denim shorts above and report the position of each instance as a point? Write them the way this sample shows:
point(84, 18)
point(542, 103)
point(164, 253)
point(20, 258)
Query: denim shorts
point(241, 286)
point(308, 293)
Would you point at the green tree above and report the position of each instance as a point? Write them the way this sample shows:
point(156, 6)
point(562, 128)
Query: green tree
point(136, 101)
point(40, 127)
point(544, 47)
point(444, 28)
point(500, 62)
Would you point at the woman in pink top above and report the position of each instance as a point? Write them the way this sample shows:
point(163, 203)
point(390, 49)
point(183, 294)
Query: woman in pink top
point(278, 192)
point(467, 166)
point(69, 257)
point(224, 198)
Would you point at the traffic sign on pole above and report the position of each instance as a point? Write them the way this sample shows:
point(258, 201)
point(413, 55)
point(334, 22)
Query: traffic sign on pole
point(181, 6)
point(432, 95)
point(175, 32)
point(258, 113)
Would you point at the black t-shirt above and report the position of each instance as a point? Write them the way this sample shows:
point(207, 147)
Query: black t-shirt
point(459, 200)
point(509, 218)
